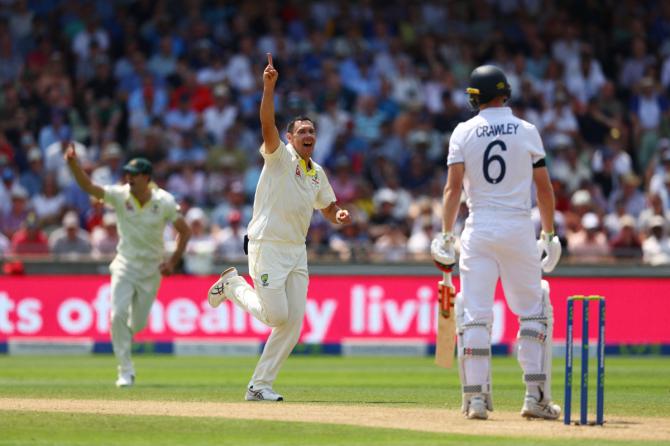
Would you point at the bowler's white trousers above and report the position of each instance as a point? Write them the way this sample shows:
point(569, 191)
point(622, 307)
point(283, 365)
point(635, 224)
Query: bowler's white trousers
point(279, 272)
point(499, 243)
point(131, 303)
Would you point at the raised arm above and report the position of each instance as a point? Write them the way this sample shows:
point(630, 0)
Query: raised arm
point(80, 176)
point(267, 112)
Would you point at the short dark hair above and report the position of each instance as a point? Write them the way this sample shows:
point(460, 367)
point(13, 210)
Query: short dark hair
point(291, 124)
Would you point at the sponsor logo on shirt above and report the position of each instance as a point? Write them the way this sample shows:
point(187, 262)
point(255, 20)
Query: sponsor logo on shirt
point(264, 279)
point(154, 208)
point(129, 206)
point(297, 171)
point(315, 180)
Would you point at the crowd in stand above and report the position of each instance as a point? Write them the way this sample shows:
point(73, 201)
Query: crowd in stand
point(179, 82)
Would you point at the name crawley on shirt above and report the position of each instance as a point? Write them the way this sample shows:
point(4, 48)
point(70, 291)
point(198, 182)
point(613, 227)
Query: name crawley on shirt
point(495, 130)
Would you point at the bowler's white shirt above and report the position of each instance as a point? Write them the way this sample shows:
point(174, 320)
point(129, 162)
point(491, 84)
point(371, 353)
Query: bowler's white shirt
point(286, 197)
point(484, 143)
point(141, 248)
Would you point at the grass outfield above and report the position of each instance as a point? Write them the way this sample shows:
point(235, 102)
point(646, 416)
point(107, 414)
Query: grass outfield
point(635, 386)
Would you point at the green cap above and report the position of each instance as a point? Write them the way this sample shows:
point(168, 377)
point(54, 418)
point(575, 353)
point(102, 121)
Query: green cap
point(138, 165)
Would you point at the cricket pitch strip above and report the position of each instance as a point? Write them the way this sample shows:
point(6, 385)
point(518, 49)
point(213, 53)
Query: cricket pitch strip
point(447, 421)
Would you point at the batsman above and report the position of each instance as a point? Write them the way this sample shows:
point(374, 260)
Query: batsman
point(495, 157)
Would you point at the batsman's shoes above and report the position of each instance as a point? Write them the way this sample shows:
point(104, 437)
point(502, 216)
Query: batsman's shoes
point(532, 408)
point(477, 409)
point(262, 395)
point(216, 293)
point(125, 380)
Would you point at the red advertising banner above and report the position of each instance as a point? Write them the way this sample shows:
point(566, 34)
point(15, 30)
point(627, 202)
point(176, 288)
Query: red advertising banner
point(339, 309)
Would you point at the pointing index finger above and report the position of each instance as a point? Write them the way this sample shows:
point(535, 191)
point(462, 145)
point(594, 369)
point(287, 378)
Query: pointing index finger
point(270, 59)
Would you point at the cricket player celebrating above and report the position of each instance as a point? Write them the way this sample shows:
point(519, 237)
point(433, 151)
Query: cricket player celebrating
point(495, 157)
point(142, 212)
point(291, 185)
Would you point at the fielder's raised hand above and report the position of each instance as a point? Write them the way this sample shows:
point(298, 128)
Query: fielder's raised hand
point(70, 153)
point(270, 75)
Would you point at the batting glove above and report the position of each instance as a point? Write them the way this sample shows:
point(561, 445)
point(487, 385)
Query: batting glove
point(550, 245)
point(443, 251)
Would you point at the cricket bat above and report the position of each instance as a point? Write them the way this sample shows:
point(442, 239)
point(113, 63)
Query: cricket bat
point(446, 322)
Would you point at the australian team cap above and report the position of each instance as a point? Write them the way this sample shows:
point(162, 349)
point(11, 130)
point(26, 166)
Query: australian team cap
point(138, 166)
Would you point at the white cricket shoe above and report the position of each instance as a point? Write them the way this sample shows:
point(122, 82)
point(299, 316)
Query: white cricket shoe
point(532, 408)
point(477, 408)
point(126, 379)
point(262, 395)
point(216, 293)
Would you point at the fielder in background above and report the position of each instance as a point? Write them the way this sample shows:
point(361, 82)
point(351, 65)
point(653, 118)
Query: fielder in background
point(495, 157)
point(142, 211)
point(290, 187)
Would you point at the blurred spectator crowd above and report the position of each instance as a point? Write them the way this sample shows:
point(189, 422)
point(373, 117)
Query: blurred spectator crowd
point(179, 82)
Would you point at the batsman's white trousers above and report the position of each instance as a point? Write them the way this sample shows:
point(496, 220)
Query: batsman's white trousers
point(131, 304)
point(498, 243)
point(279, 272)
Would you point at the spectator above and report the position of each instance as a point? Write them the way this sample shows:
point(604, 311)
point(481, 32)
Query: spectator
point(93, 32)
point(318, 240)
point(163, 63)
point(70, 239)
point(351, 242)
point(218, 118)
point(12, 219)
point(654, 208)
point(418, 244)
point(559, 121)
point(5, 245)
point(30, 239)
point(230, 239)
point(649, 109)
point(49, 203)
point(626, 244)
point(32, 178)
point(235, 200)
point(105, 237)
point(384, 214)
point(94, 216)
point(56, 131)
point(146, 101)
point(109, 171)
point(6, 185)
point(656, 247)
point(391, 246)
point(200, 248)
point(633, 198)
point(584, 76)
point(343, 182)
point(589, 243)
point(636, 64)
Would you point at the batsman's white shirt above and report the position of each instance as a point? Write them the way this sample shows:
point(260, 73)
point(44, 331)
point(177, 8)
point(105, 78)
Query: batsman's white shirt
point(499, 151)
point(286, 196)
point(141, 247)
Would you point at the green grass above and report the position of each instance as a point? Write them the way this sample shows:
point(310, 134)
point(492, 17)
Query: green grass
point(635, 386)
